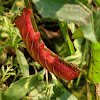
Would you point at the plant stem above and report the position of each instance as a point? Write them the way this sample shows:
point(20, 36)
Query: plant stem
point(64, 29)
point(88, 91)
point(91, 91)
point(98, 91)
point(46, 77)
point(85, 7)
point(83, 59)
point(28, 5)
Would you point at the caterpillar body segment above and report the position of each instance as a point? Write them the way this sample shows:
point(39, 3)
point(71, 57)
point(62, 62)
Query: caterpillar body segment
point(36, 49)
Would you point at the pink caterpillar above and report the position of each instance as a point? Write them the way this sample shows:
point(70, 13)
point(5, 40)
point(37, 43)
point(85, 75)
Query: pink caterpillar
point(36, 49)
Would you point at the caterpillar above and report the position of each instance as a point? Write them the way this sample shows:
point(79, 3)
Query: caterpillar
point(36, 49)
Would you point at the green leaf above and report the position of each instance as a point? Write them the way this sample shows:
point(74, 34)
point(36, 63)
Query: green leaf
point(61, 48)
point(3, 31)
point(60, 92)
point(64, 29)
point(26, 98)
point(63, 10)
point(22, 63)
point(98, 2)
point(77, 57)
point(1, 94)
point(21, 44)
point(66, 96)
point(88, 32)
point(2, 8)
point(94, 71)
point(78, 34)
point(71, 26)
point(20, 88)
point(85, 31)
point(3, 58)
point(35, 94)
point(97, 24)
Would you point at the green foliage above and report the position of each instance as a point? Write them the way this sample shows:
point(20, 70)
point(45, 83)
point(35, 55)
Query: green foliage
point(94, 71)
point(60, 93)
point(77, 57)
point(63, 27)
point(10, 32)
point(97, 24)
point(62, 48)
point(5, 74)
point(78, 33)
point(98, 2)
point(88, 32)
point(22, 63)
point(62, 10)
point(66, 96)
point(85, 31)
point(18, 89)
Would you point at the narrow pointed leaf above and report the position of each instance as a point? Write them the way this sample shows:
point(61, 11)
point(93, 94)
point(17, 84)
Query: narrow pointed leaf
point(22, 63)
point(63, 27)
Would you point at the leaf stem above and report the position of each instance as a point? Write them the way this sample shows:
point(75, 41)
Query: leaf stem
point(29, 6)
point(85, 7)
